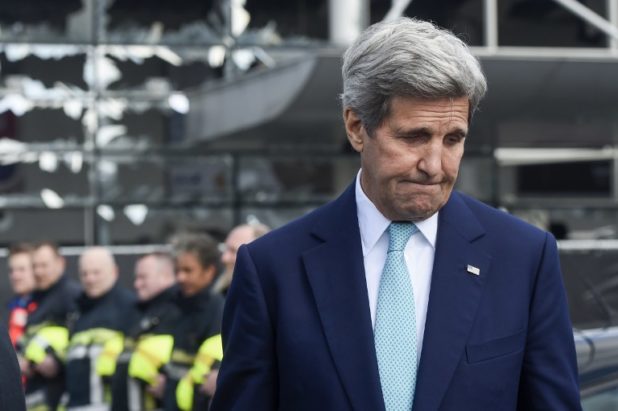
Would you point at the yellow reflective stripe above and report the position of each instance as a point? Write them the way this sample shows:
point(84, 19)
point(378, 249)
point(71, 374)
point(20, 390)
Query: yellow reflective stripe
point(106, 363)
point(212, 348)
point(33, 329)
point(110, 341)
point(182, 357)
point(53, 337)
point(184, 393)
point(210, 351)
point(151, 352)
point(93, 336)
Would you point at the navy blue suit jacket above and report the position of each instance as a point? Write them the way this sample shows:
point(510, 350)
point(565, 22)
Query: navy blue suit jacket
point(298, 336)
point(11, 389)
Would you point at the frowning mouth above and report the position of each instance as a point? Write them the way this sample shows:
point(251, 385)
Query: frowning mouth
point(422, 184)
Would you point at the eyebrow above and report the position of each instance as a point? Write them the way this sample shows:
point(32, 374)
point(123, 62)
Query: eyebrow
point(425, 131)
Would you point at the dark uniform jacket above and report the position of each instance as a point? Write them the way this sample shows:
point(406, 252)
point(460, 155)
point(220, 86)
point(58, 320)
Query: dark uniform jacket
point(53, 308)
point(97, 323)
point(201, 316)
point(155, 317)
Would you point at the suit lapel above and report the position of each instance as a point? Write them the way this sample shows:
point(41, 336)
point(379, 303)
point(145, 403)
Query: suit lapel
point(453, 301)
point(337, 277)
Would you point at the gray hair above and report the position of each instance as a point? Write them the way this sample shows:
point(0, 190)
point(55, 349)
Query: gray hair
point(409, 58)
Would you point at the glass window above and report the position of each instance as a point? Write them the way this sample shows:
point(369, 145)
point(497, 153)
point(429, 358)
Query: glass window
point(463, 17)
point(65, 226)
point(163, 22)
point(294, 178)
point(287, 20)
point(126, 178)
point(590, 278)
point(546, 23)
point(46, 21)
point(148, 224)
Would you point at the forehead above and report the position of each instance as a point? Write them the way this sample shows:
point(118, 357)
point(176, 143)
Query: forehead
point(187, 257)
point(95, 260)
point(146, 263)
point(21, 257)
point(414, 112)
point(44, 252)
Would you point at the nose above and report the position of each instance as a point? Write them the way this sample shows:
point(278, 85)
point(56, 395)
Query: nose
point(430, 162)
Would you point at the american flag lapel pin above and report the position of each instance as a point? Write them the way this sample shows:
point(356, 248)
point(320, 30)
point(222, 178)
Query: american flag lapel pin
point(473, 270)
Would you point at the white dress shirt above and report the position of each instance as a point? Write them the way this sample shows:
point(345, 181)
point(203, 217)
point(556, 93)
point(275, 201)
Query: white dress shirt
point(419, 254)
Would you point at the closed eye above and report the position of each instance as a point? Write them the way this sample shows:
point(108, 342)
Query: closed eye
point(415, 135)
point(454, 138)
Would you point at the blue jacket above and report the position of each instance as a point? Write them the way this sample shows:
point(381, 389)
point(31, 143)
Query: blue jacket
point(298, 335)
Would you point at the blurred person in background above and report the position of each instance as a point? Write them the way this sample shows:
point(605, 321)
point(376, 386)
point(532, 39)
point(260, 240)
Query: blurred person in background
point(149, 338)
point(197, 348)
point(239, 235)
point(96, 331)
point(43, 346)
point(23, 284)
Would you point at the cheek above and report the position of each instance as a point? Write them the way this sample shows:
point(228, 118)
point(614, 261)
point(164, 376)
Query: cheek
point(451, 163)
point(388, 167)
point(189, 277)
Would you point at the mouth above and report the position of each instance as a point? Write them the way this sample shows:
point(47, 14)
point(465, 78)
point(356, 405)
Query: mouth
point(423, 185)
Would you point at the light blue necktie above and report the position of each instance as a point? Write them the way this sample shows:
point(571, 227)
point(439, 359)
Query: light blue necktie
point(395, 328)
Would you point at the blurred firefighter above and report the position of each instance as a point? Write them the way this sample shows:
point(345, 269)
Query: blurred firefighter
point(96, 332)
point(42, 348)
point(149, 340)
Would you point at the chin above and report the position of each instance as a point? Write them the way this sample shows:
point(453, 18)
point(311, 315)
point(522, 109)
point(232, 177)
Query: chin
point(417, 212)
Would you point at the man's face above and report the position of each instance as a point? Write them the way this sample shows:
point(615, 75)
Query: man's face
point(148, 278)
point(410, 164)
point(21, 274)
point(192, 277)
point(97, 273)
point(237, 237)
point(48, 267)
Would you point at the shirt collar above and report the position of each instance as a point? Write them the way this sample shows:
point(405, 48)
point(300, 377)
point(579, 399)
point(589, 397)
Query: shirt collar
point(372, 223)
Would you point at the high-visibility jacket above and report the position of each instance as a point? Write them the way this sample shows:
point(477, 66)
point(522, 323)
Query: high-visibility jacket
point(97, 337)
point(47, 334)
point(200, 319)
point(19, 309)
point(208, 357)
point(147, 349)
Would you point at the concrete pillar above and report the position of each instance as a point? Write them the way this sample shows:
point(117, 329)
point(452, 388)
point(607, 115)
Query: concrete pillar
point(612, 11)
point(346, 19)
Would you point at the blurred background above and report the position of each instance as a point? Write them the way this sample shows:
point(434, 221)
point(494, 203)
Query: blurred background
point(123, 122)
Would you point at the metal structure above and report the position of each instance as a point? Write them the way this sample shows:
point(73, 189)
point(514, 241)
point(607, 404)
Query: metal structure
point(285, 88)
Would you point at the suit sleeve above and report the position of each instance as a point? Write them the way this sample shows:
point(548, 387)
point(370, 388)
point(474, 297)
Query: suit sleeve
point(549, 379)
point(247, 377)
point(11, 391)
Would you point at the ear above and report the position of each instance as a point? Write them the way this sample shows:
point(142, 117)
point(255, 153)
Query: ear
point(354, 129)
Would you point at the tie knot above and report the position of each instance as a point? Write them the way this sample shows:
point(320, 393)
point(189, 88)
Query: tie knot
point(399, 234)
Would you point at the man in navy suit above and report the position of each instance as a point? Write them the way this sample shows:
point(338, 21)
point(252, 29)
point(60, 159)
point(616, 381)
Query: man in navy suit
point(11, 390)
point(401, 294)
